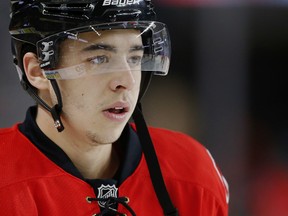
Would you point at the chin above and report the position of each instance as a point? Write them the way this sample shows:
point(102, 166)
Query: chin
point(105, 136)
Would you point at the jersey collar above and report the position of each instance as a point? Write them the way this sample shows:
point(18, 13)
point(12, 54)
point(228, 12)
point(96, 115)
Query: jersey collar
point(128, 147)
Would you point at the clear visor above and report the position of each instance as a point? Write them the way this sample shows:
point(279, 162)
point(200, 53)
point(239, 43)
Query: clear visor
point(106, 48)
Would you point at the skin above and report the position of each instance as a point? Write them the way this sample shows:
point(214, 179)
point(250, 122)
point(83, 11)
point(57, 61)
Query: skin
point(89, 134)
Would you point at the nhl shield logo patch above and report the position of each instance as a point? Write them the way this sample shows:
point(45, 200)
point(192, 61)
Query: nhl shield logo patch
point(106, 191)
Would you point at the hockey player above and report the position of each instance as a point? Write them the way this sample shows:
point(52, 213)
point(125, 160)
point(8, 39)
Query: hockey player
point(87, 63)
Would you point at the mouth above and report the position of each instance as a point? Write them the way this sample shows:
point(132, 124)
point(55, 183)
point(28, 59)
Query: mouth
point(117, 112)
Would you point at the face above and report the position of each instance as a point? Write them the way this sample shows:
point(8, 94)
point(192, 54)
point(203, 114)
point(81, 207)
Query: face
point(96, 107)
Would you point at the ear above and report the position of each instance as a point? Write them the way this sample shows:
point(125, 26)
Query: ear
point(34, 72)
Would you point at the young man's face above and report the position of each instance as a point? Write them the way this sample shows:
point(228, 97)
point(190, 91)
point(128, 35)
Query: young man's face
point(96, 107)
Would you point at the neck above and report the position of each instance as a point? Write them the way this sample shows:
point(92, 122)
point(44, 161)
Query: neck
point(94, 161)
point(98, 162)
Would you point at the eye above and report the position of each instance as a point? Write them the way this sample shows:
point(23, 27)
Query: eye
point(98, 59)
point(134, 60)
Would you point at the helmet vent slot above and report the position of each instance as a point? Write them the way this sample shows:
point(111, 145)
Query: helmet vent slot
point(68, 10)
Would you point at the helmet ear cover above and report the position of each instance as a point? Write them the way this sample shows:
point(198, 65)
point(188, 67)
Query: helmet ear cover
point(49, 59)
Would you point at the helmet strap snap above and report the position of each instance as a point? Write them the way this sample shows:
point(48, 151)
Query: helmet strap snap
point(57, 109)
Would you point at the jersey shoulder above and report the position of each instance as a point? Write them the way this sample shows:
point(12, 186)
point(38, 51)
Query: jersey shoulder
point(179, 146)
point(20, 160)
point(184, 159)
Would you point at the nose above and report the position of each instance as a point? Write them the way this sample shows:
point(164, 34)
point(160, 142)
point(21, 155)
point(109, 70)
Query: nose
point(123, 80)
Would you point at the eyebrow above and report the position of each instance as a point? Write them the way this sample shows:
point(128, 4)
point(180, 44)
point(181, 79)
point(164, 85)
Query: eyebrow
point(136, 48)
point(93, 47)
point(111, 48)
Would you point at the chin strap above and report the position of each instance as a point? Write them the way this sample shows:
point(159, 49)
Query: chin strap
point(55, 110)
point(153, 163)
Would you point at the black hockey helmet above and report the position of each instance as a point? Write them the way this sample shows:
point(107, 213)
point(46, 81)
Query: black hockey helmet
point(32, 20)
point(40, 25)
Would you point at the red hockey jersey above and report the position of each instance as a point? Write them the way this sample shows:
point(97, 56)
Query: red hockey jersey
point(31, 184)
